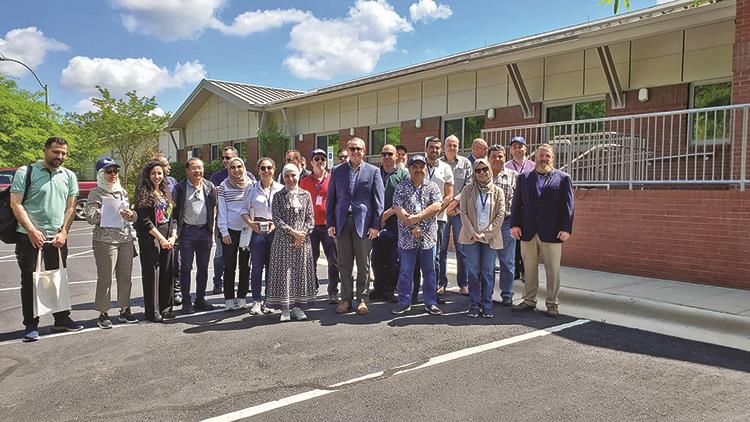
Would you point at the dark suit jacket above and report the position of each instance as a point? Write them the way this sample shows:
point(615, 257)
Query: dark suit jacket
point(178, 193)
point(366, 201)
point(547, 214)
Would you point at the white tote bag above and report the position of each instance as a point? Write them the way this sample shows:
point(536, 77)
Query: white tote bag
point(51, 293)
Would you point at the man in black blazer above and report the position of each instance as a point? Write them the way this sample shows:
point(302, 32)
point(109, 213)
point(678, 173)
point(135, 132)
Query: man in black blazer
point(542, 218)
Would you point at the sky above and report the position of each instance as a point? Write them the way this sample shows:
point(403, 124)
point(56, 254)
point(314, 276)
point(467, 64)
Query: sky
point(164, 48)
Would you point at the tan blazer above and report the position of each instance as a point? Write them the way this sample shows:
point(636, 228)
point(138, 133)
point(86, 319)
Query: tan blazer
point(468, 206)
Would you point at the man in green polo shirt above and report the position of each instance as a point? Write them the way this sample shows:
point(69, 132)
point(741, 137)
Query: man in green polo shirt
point(46, 214)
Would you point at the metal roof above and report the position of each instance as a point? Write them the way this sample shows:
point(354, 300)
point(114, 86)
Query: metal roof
point(253, 94)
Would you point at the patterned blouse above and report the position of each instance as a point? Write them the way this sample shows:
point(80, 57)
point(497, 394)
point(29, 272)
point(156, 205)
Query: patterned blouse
point(413, 200)
point(94, 216)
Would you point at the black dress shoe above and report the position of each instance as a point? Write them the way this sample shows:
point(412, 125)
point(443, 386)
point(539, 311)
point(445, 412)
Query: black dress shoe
point(506, 301)
point(217, 291)
point(168, 315)
point(441, 300)
point(201, 305)
point(156, 318)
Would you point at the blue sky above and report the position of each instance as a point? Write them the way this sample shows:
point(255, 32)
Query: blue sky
point(165, 47)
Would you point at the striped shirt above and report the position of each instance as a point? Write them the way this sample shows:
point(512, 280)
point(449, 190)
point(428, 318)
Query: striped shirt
point(231, 206)
point(506, 180)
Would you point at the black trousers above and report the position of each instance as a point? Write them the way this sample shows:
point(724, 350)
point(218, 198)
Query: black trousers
point(157, 274)
point(26, 255)
point(230, 253)
point(385, 263)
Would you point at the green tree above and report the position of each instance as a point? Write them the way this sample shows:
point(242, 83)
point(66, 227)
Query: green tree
point(126, 126)
point(26, 122)
point(616, 4)
point(274, 142)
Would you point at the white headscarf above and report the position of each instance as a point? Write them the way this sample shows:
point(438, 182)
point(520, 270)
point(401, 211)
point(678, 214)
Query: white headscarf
point(107, 186)
point(293, 194)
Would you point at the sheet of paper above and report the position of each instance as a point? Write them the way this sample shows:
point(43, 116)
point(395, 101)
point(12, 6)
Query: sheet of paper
point(111, 217)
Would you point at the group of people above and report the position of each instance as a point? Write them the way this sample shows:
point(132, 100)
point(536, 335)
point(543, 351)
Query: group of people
point(398, 217)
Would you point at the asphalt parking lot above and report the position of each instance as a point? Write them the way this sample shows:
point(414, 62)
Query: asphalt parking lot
point(232, 366)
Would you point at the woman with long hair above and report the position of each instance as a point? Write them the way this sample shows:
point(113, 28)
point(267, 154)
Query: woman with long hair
point(482, 213)
point(231, 194)
point(257, 215)
point(113, 246)
point(157, 234)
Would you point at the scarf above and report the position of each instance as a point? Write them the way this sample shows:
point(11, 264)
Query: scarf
point(293, 194)
point(106, 186)
point(238, 182)
point(485, 186)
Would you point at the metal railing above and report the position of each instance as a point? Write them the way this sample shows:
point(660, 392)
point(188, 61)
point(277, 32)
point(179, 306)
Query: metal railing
point(699, 146)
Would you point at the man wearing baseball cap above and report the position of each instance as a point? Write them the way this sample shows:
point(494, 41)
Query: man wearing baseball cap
point(317, 184)
point(518, 151)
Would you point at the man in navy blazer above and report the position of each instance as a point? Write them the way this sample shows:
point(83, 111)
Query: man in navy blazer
point(542, 218)
point(355, 203)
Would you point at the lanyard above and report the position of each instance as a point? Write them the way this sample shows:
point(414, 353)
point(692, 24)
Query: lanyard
point(483, 199)
point(319, 186)
point(431, 170)
point(515, 167)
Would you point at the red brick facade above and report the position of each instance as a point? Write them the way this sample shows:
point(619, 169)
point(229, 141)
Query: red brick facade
point(686, 235)
point(741, 69)
point(413, 137)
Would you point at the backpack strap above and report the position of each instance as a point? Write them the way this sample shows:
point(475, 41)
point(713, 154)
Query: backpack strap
point(28, 183)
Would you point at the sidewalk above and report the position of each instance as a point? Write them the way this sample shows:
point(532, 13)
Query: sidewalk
point(710, 314)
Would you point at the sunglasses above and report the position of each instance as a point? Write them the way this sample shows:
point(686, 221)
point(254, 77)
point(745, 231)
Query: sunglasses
point(387, 154)
point(289, 160)
point(266, 168)
point(227, 158)
point(481, 170)
point(343, 157)
point(355, 149)
point(112, 171)
point(319, 158)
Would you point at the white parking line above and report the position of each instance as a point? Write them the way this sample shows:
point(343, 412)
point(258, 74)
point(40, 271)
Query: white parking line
point(308, 395)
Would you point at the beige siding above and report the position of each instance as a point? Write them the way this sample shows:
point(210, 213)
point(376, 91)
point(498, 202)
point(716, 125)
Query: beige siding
point(532, 72)
point(301, 119)
point(462, 89)
point(348, 112)
point(656, 60)
point(708, 51)
point(563, 76)
point(594, 81)
point(492, 87)
point(409, 101)
point(434, 97)
point(332, 121)
point(218, 121)
point(316, 116)
point(388, 105)
point(367, 107)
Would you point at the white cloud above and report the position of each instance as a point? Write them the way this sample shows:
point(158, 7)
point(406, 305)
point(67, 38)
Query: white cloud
point(428, 10)
point(158, 111)
point(169, 19)
point(353, 44)
point(28, 45)
point(84, 105)
point(120, 76)
point(261, 20)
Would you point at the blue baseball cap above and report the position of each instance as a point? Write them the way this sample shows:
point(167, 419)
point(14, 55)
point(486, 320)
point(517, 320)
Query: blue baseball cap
point(414, 158)
point(518, 139)
point(106, 162)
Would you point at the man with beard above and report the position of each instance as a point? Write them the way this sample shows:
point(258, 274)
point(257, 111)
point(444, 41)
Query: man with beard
point(542, 218)
point(45, 212)
point(505, 178)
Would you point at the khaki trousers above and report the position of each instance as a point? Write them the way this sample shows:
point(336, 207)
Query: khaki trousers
point(551, 254)
point(113, 258)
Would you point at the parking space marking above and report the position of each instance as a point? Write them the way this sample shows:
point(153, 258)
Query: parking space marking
point(399, 370)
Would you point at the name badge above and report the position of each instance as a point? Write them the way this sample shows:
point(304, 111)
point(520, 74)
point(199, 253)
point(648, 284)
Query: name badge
point(319, 200)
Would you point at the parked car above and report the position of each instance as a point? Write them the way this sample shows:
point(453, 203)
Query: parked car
point(6, 177)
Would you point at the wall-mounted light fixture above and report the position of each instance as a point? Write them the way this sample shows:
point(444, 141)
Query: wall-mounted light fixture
point(643, 95)
point(300, 137)
point(351, 131)
point(490, 113)
point(418, 123)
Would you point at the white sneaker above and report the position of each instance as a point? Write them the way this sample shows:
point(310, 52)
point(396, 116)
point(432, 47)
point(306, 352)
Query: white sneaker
point(241, 304)
point(299, 314)
point(285, 316)
point(265, 309)
point(255, 309)
point(229, 304)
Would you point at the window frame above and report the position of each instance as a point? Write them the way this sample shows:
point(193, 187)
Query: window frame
point(466, 144)
point(561, 103)
point(327, 134)
point(691, 106)
point(384, 128)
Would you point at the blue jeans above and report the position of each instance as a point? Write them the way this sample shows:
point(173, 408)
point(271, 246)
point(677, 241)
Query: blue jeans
point(319, 236)
point(462, 275)
point(507, 257)
point(440, 266)
point(260, 253)
point(480, 260)
point(409, 259)
point(193, 243)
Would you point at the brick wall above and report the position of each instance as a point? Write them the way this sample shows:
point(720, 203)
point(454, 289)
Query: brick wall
point(253, 154)
point(741, 68)
point(413, 138)
point(362, 132)
point(513, 116)
point(182, 156)
point(687, 235)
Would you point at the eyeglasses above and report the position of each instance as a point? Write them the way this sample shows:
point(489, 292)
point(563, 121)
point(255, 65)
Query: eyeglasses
point(266, 168)
point(112, 170)
point(355, 149)
point(343, 157)
point(386, 154)
point(482, 170)
point(227, 158)
point(319, 158)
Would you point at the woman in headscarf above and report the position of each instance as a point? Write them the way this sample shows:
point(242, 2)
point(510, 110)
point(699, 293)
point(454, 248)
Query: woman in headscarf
point(482, 212)
point(291, 285)
point(157, 234)
point(231, 194)
point(113, 246)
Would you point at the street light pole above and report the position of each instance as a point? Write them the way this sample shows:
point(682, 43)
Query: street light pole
point(43, 85)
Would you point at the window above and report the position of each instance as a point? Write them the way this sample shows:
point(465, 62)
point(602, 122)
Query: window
point(577, 111)
point(196, 152)
point(466, 128)
point(382, 136)
point(325, 142)
point(216, 152)
point(711, 125)
point(241, 148)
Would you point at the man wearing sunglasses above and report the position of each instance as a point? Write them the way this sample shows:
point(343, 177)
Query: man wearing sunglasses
point(353, 210)
point(216, 179)
point(505, 178)
point(317, 185)
point(295, 157)
point(462, 175)
point(385, 262)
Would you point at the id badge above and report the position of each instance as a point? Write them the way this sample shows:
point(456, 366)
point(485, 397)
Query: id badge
point(319, 200)
point(418, 207)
